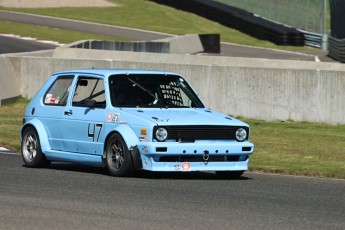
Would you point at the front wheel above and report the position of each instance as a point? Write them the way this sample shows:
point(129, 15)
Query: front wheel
point(118, 158)
point(31, 149)
point(230, 174)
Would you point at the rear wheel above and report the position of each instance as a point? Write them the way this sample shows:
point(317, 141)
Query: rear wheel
point(230, 174)
point(118, 158)
point(31, 149)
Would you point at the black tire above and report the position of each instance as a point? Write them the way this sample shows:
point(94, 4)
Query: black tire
point(230, 174)
point(118, 159)
point(31, 149)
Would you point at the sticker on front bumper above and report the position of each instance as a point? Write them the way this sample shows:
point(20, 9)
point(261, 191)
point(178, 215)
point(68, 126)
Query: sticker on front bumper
point(185, 166)
point(177, 167)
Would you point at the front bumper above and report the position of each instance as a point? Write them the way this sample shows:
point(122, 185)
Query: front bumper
point(198, 156)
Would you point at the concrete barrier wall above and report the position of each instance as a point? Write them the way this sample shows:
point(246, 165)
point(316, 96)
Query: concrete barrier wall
point(253, 88)
point(34, 71)
point(264, 93)
point(70, 53)
point(9, 87)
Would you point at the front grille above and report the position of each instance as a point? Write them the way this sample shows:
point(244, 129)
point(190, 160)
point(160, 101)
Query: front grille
point(192, 158)
point(204, 132)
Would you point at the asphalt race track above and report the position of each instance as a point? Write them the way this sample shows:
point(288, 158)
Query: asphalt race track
point(231, 50)
point(16, 45)
point(66, 196)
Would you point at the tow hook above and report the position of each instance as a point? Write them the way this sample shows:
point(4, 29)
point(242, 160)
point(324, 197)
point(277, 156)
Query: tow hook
point(206, 156)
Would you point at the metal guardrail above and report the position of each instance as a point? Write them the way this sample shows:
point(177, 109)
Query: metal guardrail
point(308, 16)
point(312, 39)
point(336, 48)
point(241, 20)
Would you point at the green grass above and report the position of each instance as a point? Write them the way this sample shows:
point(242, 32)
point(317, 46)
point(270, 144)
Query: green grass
point(11, 118)
point(53, 34)
point(298, 148)
point(295, 148)
point(294, 13)
point(151, 16)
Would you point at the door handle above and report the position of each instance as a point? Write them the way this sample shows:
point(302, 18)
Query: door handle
point(68, 113)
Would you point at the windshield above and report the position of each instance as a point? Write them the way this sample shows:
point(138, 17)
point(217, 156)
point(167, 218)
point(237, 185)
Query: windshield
point(152, 91)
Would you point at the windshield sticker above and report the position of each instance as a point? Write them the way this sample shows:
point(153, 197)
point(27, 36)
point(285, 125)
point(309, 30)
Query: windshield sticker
point(48, 98)
point(57, 100)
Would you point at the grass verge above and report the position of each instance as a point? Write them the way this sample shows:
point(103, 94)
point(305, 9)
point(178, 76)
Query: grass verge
point(298, 148)
point(11, 119)
point(295, 148)
point(52, 34)
point(151, 16)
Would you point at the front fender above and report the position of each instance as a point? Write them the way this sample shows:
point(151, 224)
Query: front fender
point(41, 131)
point(128, 135)
point(131, 140)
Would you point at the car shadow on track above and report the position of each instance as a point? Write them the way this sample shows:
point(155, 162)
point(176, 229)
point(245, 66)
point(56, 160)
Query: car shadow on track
point(186, 176)
point(144, 174)
point(65, 166)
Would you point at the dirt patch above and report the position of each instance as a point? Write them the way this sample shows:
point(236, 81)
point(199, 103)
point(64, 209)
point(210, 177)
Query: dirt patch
point(55, 3)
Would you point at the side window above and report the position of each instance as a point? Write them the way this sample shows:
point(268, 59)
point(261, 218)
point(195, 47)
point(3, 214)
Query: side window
point(89, 88)
point(58, 92)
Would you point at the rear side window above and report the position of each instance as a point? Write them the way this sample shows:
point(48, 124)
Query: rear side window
point(58, 92)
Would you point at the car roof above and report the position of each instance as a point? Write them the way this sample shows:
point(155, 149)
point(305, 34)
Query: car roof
point(108, 72)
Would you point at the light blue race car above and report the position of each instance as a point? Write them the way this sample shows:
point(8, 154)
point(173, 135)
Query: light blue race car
point(131, 120)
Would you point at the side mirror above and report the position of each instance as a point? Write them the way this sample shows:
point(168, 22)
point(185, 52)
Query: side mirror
point(90, 103)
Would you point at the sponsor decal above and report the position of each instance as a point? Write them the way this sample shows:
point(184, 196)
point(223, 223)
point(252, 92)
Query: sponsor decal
point(185, 166)
point(143, 139)
point(57, 100)
point(109, 117)
point(145, 149)
point(116, 117)
point(113, 117)
point(160, 119)
point(177, 167)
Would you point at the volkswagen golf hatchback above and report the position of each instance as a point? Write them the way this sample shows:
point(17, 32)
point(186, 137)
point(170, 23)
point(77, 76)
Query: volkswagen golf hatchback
point(130, 120)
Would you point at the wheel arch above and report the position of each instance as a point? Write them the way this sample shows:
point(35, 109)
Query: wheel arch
point(131, 141)
point(41, 132)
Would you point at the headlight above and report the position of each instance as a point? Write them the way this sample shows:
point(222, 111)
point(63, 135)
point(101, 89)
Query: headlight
point(241, 134)
point(161, 134)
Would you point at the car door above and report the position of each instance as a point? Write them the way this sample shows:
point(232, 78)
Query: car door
point(82, 124)
point(54, 105)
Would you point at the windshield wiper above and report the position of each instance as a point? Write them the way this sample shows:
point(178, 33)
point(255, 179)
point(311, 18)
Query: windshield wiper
point(145, 90)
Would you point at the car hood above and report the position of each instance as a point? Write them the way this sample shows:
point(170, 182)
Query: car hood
point(185, 116)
